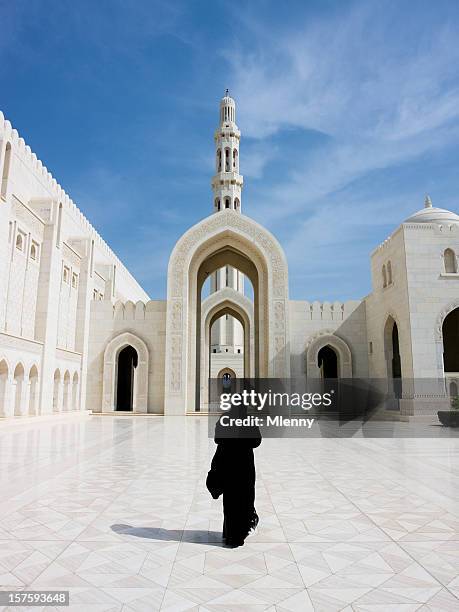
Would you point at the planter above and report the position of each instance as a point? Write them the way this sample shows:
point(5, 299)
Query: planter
point(450, 418)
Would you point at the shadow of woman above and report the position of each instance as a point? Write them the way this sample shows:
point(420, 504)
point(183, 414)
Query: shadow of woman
point(196, 536)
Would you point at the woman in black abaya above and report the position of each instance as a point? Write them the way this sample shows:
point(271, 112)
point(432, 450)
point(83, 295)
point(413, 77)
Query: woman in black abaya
point(233, 474)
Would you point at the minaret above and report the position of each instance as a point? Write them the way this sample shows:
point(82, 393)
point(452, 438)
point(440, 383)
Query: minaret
point(227, 182)
point(227, 333)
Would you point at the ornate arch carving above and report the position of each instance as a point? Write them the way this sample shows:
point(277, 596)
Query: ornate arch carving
point(442, 316)
point(324, 338)
point(226, 229)
point(111, 353)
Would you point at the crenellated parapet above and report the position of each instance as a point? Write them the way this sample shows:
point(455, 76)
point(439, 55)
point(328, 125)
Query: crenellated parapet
point(326, 311)
point(138, 311)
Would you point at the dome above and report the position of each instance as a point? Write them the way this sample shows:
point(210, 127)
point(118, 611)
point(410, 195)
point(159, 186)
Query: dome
point(432, 214)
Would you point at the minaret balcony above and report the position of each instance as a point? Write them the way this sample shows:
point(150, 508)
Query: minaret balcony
point(227, 178)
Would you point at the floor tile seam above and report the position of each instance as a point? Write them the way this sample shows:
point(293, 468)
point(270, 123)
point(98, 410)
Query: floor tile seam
point(197, 481)
point(398, 545)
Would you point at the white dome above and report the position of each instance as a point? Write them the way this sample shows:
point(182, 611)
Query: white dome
point(432, 214)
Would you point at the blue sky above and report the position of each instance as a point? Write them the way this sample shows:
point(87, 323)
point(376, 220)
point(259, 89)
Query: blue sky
point(349, 113)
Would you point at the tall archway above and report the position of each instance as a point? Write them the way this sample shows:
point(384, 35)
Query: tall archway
point(125, 378)
point(136, 387)
point(234, 240)
point(223, 302)
point(393, 357)
point(18, 389)
point(33, 397)
point(450, 329)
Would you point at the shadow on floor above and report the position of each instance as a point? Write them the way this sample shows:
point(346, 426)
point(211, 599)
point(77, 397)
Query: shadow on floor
point(197, 536)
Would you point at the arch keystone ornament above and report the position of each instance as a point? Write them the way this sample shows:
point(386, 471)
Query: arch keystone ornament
point(224, 238)
point(112, 350)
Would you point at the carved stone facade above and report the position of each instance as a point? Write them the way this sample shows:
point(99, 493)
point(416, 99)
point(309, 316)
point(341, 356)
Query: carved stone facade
point(69, 308)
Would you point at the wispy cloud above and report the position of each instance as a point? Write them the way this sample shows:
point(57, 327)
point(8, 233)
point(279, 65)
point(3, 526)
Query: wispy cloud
point(380, 97)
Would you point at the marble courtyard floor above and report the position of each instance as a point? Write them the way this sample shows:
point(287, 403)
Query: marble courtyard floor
point(115, 510)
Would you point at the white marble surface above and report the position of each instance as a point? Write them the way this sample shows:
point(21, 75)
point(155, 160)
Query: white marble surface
point(115, 510)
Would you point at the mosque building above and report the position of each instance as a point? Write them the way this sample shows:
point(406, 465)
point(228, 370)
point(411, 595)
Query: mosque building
point(78, 333)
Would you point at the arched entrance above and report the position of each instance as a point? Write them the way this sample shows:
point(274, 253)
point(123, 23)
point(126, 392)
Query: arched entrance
point(224, 239)
point(450, 337)
point(328, 356)
point(227, 372)
point(393, 357)
point(125, 378)
point(450, 329)
point(224, 302)
point(327, 360)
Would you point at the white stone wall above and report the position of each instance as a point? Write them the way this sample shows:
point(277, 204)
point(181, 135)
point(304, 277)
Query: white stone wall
point(147, 321)
point(44, 321)
point(432, 293)
point(390, 301)
point(346, 320)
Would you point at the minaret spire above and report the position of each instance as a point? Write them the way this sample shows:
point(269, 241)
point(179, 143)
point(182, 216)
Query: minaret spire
point(227, 182)
point(227, 336)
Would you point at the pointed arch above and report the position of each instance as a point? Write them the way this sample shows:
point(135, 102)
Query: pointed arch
point(450, 261)
point(338, 345)
point(225, 239)
point(109, 385)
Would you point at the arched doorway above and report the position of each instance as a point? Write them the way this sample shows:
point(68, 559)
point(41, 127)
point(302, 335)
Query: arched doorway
point(33, 397)
point(125, 375)
point(226, 302)
point(128, 360)
point(327, 361)
point(227, 239)
point(328, 356)
point(393, 357)
point(450, 329)
point(19, 388)
point(227, 371)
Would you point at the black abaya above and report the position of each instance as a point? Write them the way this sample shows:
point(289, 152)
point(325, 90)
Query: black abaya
point(233, 468)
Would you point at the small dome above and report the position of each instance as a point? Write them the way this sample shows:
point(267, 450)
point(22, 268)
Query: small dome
point(432, 214)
